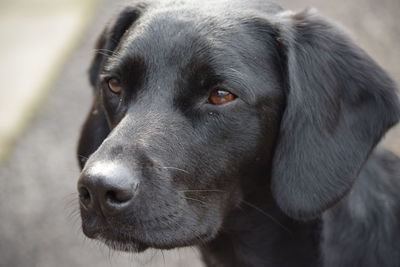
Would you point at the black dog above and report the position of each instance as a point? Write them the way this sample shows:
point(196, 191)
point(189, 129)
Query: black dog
point(243, 129)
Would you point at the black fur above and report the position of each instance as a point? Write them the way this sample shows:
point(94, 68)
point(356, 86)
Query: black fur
point(287, 174)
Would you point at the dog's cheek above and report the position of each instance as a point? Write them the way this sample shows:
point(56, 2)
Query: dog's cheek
point(226, 152)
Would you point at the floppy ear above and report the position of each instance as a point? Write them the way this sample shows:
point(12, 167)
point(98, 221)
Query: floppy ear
point(96, 127)
point(339, 103)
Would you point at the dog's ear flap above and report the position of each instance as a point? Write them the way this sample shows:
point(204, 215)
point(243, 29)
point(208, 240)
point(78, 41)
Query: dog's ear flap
point(111, 37)
point(339, 103)
point(96, 127)
point(94, 131)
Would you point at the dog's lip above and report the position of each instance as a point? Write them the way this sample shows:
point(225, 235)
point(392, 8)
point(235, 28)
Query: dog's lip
point(126, 244)
point(121, 240)
point(137, 238)
point(117, 241)
point(91, 232)
point(125, 241)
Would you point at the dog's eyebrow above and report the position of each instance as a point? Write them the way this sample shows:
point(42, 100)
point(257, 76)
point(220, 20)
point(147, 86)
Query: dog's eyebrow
point(120, 63)
point(238, 83)
point(131, 70)
point(208, 71)
point(230, 63)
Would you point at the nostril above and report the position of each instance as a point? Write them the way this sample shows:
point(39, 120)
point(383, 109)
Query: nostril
point(118, 196)
point(84, 196)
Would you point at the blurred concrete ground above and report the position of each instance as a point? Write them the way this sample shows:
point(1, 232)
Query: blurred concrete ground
point(37, 181)
point(35, 37)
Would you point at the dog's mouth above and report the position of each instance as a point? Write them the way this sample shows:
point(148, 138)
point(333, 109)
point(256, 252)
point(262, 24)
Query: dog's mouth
point(128, 239)
point(115, 240)
point(126, 242)
point(122, 243)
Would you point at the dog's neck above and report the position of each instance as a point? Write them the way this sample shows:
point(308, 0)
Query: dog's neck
point(258, 234)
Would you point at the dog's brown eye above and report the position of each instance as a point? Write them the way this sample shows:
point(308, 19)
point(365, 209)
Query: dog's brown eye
point(220, 96)
point(114, 86)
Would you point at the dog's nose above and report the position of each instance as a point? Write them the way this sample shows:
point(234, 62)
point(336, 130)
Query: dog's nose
point(107, 188)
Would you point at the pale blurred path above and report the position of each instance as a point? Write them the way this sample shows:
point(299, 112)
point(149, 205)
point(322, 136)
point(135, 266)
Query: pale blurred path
point(38, 180)
point(35, 38)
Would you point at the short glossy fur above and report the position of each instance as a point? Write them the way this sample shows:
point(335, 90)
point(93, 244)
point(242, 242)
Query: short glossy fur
point(285, 175)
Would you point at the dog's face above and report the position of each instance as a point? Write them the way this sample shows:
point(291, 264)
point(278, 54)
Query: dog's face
point(192, 106)
point(186, 105)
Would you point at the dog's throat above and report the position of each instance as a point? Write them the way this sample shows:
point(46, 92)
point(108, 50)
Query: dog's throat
point(257, 236)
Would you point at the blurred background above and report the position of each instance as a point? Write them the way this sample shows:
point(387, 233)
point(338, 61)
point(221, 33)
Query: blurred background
point(45, 50)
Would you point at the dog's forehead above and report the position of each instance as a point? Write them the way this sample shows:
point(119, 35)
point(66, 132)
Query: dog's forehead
point(171, 43)
point(177, 34)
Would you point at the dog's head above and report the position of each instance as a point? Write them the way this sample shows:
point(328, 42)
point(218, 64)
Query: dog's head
point(194, 104)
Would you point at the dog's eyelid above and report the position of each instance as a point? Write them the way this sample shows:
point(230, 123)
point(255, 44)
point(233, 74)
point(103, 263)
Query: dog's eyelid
point(105, 76)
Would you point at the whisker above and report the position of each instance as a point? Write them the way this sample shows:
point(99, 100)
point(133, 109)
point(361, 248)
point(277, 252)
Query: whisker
point(103, 50)
point(106, 52)
point(178, 169)
point(162, 253)
point(267, 215)
point(204, 190)
point(197, 235)
point(103, 53)
point(71, 202)
point(82, 157)
point(198, 200)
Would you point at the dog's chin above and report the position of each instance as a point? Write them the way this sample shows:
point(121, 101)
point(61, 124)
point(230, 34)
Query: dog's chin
point(127, 242)
point(120, 242)
point(123, 245)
